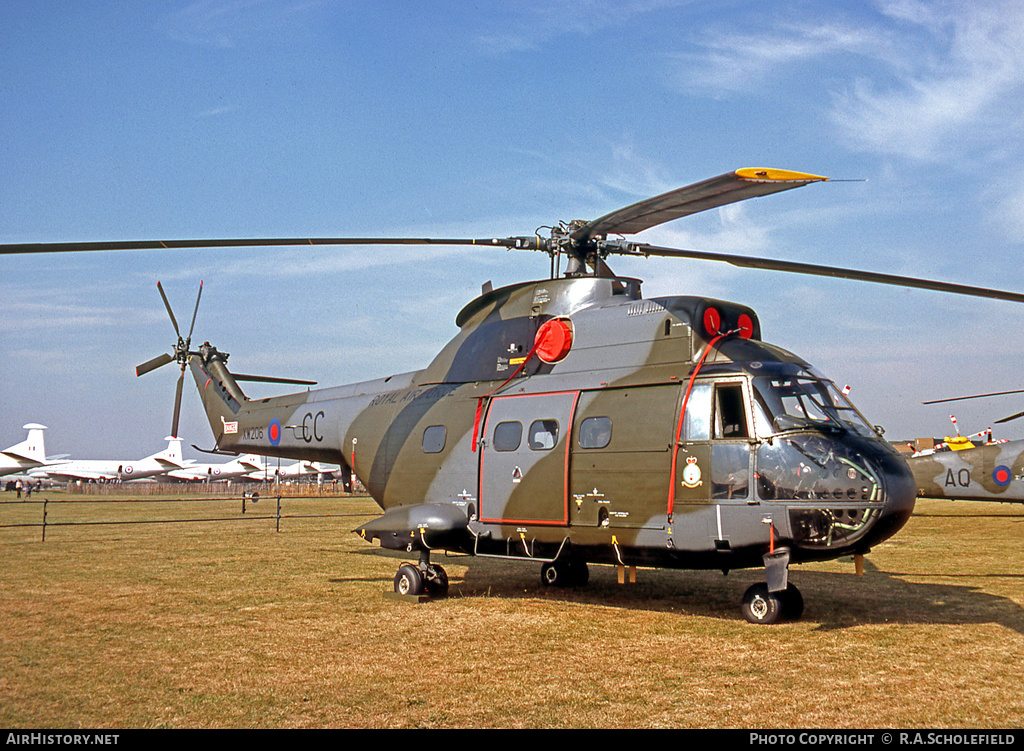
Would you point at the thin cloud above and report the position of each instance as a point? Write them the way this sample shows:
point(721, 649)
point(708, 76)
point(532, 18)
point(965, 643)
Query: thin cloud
point(938, 76)
point(530, 27)
point(20, 314)
point(218, 111)
point(955, 91)
point(226, 23)
point(729, 61)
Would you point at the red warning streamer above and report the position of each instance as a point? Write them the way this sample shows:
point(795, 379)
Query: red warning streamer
point(679, 425)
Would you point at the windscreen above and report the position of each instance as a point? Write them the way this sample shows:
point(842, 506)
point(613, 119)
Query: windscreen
point(801, 402)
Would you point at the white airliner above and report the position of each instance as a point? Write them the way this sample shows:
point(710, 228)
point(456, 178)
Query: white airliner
point(25, 455)
point(240, 467)
point(113, 469)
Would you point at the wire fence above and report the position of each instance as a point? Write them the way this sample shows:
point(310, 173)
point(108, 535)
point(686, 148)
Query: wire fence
point(113, 510)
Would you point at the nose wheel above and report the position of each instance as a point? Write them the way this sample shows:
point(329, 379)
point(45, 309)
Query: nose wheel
point(764, 607)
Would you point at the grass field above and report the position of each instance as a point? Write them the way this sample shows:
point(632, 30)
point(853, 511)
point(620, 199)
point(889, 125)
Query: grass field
point(230, 623)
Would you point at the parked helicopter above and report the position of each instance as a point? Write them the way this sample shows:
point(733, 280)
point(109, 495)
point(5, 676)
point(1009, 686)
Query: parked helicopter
point(985, 472)
point(571, 421)
point(972, 471)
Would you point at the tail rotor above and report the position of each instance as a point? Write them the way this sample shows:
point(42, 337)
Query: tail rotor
point(180, 355)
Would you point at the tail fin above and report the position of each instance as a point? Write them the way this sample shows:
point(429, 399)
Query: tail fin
point(171, 454)
point(222, 399)
point(254, 461)
point(32, 448)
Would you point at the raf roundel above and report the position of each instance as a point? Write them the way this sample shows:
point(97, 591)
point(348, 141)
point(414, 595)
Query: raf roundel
point(1002, 476)
point(274, 431)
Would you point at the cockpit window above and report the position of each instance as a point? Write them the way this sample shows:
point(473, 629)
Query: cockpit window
point(730, 411)
point(785, 403)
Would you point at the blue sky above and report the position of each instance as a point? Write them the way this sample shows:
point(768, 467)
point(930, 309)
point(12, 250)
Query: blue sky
point(243, 118)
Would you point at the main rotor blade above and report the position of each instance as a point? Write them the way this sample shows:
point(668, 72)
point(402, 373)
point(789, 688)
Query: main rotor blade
point(816, 270)
point(1011, 417)
point(74, 247)
point(974, 396)
point(709, 194)
point(156, 362)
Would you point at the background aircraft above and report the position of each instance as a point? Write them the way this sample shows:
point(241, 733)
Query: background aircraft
point(294, 471)
point(113, 469)
point(25, 455)
point(234, 469)
point(963, 471)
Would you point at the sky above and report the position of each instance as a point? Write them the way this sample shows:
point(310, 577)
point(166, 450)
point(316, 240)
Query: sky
point(302, 118)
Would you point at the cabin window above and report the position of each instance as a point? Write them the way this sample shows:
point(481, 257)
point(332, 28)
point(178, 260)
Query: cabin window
point(508, 435)
point(595, 432)
point(434, 439)
point(543, 434)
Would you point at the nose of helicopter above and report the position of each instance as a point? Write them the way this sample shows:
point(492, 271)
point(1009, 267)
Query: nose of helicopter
point(900, 494)
point(861, 494)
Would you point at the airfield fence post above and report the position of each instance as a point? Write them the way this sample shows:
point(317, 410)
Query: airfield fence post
point(45, 501)
point(278, 513)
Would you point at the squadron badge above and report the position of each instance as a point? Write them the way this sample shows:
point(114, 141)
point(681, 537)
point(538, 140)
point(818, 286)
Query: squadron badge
point(691, 473)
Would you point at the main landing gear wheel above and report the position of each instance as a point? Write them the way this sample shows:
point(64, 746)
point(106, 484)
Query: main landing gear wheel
point(414, 581)
point(565, 574)
point(437, 581)
point(763, 607)
point(409, 580)
point(792, 603)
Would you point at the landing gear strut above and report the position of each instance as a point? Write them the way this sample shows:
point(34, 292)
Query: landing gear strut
point(424, 578)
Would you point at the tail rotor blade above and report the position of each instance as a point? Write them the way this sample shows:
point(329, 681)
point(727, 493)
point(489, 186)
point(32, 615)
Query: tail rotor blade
point(156, 362)
point(167, 305)
point(271, 379)
point(195, 312)
point(177, 404)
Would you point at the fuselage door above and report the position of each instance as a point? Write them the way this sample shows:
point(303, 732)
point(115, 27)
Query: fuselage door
point(524, 458)
point(621, 456)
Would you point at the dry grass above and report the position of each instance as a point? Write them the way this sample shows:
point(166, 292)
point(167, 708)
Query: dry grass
point(231, 624)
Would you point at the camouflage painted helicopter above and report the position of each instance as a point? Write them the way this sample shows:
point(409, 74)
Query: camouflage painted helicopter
point(570, 421)
point(972, 471)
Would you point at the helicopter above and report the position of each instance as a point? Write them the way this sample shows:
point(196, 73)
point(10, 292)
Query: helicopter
point(571, 421)
point(985, 472)
point(970, 470)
